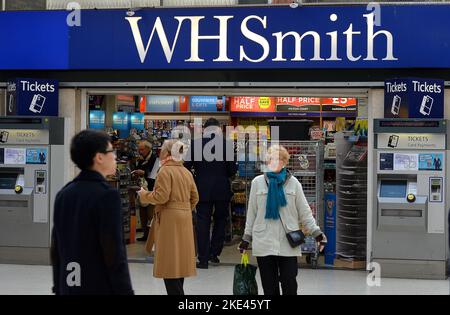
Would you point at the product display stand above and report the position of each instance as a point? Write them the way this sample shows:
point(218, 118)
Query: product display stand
point(351, 205)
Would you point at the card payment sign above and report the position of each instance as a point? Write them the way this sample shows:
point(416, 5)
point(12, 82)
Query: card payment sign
point(393, 141)
point(4, 136)
point(37, 103)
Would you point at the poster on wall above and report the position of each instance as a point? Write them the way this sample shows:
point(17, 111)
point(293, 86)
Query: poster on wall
point(207, 103)
point(296, 104)
point(406, 162)
point(431, 162)
point(36, 156)
point(15, 155)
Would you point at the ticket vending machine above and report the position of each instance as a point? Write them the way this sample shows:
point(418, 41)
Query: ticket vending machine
point(409, 237)
point(33, 168)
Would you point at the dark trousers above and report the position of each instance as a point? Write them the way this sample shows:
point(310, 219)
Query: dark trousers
point(208, 244)
point(174, 286)
point(276, 269)
point(146, 215)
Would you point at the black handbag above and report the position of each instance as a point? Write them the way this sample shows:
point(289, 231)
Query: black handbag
point(295, 238)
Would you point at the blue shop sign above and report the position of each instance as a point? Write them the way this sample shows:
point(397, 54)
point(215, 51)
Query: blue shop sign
point(326, 37)
point(97, 119)
point(207, 103)
point(121, 122)
point(32, 97)
point(414, 98)
point(137, 121)
point(161, 103)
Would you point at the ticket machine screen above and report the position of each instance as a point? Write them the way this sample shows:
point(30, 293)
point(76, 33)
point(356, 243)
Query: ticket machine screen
point(8, 180)
point(393, 188)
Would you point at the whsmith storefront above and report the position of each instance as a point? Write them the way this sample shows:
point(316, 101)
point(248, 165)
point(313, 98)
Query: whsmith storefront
point(243, 65)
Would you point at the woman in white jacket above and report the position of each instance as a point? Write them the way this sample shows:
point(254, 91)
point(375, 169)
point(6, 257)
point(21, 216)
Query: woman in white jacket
point(277, 205)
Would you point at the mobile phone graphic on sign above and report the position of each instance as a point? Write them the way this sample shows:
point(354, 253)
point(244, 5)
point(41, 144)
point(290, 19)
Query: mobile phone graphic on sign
point(396, 102)
point(4, 136)
point(425, 107)
point(37, 103)
point(393, 141)
point(11, 103)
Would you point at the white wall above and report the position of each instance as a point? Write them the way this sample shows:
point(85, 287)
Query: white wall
point(375, 110)
point(2, 102)
point(69, 107)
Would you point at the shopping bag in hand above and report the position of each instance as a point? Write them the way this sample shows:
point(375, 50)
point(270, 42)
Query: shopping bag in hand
point(244, 282)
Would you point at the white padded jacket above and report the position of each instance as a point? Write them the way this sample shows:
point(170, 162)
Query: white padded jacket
point(268, 237)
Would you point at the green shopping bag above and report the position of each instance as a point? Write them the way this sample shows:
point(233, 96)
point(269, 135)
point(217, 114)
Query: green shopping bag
point(244, 282)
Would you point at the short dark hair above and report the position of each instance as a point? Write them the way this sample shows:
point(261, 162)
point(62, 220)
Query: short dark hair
point(85, 145)
point(212, 122)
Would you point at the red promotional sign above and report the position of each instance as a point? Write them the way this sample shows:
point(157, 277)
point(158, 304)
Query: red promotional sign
point(184, 103)
point(125, 98)
point(339, 104)
point(252, 104)
point(142, 102)
point(288, 104)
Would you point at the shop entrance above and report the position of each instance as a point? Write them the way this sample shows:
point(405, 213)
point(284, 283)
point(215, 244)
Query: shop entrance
point(329, 155)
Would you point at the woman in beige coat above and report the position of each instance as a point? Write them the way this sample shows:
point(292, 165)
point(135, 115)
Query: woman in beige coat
point(175, 196)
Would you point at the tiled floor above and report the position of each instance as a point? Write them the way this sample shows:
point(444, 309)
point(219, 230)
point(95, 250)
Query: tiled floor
point(21, 279)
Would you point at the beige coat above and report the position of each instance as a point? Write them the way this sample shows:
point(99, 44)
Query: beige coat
point(175, 196)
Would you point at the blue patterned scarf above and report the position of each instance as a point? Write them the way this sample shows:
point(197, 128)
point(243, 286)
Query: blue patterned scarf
point(275, 197)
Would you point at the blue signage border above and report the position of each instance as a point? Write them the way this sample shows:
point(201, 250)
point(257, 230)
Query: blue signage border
point(244, 38)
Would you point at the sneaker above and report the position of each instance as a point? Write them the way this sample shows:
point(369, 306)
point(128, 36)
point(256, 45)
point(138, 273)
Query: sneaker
point(202, 265)
point(214, 260)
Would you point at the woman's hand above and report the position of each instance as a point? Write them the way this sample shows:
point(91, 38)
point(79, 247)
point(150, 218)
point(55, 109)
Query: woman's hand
point(322, 241)
point(243, 246)
point(141, 191)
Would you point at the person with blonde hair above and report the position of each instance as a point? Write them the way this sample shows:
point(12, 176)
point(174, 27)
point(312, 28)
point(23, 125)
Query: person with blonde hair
point(277, 205)
point(174, 196)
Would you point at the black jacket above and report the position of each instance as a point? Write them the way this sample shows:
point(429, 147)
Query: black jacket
point(213, 177)
point(147, 166)
point(88, 231)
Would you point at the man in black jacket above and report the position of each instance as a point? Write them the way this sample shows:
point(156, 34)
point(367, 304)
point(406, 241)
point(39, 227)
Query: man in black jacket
point(144, 169)
point(212, 177)
point(88, 250)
